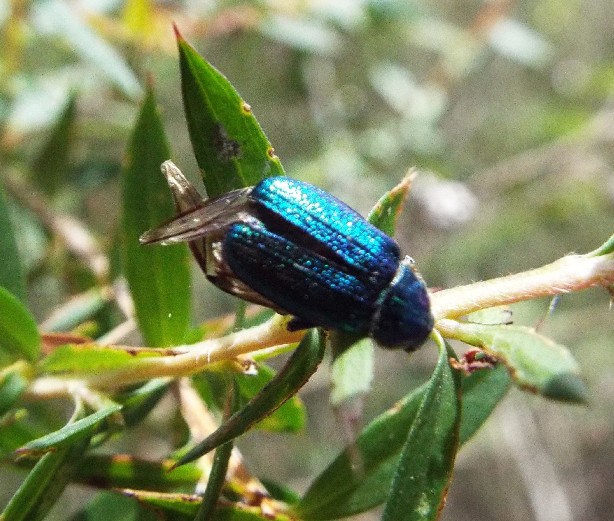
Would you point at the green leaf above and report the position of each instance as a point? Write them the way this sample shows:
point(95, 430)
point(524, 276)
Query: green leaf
point(92, 358)
point(19, 335)
point(51, 166)
point(44, 484)
point(425, 468)
point(290, 417)
point(352, 372)
point(386, 212)
point(11, 270)
point(360, 477)
point(126, 471)
point(482, 391)
point(342, 489)
point(12, 385)
point(70, 433)
point(297, 370)
point(536, 363)
point(158, 276)
point(231, 149)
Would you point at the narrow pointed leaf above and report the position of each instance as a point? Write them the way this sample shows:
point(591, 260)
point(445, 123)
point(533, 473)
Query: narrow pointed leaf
point(386, 212)
point(11, 271)
point(342, 489)
point(19, 337)
point(44, 484)
point(289, 417)
point(422, 477)
point(158, 276)
point(297, 370)
point(51, 167)
point(70, 433)
point(230, 147)
point(536, 363)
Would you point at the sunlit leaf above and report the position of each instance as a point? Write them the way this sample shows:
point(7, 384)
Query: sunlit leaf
point(137, 16)
point(158, 276)
point(230, 147)
point(387, 211)
point(352, 372)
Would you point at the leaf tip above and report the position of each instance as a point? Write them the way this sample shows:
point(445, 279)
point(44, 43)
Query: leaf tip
point(178, 35)
point(567, 387)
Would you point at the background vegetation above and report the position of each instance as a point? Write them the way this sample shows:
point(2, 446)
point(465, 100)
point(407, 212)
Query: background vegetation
point(505, 107)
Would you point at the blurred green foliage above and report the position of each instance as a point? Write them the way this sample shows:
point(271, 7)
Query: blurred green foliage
point(504, 107)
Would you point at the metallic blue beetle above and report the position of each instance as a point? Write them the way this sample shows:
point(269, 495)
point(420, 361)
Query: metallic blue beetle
point(292, 247)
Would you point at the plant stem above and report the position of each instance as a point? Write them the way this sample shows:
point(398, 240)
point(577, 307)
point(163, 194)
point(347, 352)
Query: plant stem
point(571, 273)
point(190, 359)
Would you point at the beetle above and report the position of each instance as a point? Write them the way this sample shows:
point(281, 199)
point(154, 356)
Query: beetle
point(297, 249)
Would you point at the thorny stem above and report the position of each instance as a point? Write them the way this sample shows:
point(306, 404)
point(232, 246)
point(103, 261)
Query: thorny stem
point(568, 274)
